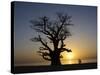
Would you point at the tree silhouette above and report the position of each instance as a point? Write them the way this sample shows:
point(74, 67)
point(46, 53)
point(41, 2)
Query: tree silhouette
point(56, 31)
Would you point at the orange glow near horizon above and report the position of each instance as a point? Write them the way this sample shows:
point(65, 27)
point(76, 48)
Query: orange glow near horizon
point(68, 55)
point(78, 52)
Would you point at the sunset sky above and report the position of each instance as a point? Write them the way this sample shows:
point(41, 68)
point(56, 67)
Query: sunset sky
point(83, 41)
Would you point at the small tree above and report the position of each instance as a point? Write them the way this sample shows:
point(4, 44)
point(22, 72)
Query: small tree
point(56, 32)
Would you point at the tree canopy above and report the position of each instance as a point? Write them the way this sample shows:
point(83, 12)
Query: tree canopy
point(56, 32)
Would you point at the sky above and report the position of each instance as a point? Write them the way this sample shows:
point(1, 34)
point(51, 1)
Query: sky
point(83, 41)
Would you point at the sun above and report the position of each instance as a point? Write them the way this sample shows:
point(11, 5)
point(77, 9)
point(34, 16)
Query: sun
point(70, 56)
point(66, 55)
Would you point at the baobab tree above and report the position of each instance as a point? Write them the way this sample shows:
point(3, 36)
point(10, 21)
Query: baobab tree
point(56, 31)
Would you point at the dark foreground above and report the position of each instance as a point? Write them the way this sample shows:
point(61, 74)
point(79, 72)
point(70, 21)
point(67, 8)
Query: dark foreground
point(27, 69)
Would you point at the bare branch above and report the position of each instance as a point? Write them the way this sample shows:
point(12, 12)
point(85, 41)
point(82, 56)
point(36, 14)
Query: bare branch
point(46, 58)
point(43, 48)
point(64, 21)
point(65, 49)
point(35, 39)
point(45, 55)
point(61, 56)
point(62, 44)
point(44, 44)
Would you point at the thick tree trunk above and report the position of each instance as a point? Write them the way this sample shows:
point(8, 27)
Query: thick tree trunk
point(55, 59)
point(55, 62)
